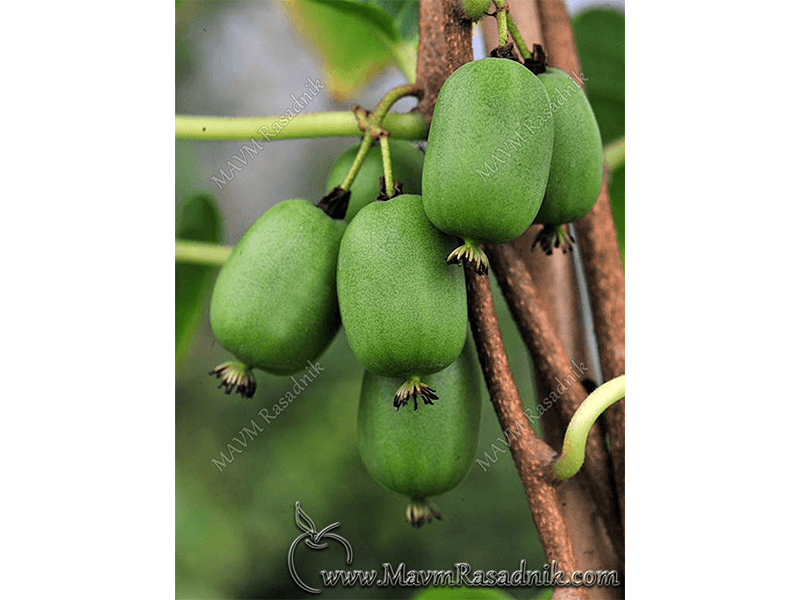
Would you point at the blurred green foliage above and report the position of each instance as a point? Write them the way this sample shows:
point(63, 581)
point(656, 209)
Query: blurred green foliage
point(235, 516)
point(600, 40)
point(197, 218)
point(337, 27)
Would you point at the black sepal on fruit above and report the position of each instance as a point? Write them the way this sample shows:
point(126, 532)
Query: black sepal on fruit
point(537, 63)
point(383, 196)
point(335, 203)
point(506, 51)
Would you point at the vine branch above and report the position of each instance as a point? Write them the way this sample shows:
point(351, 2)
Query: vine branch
point(605, 279)
point(553, 367)
point(533, 457)
point(597, 240)
point(445, 43)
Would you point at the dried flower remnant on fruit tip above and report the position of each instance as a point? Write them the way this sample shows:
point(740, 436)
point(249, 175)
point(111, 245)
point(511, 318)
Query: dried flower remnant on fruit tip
point(412, 389)
point(236, 376)
point(554, 236)
point(470, 253)
point(422, 511)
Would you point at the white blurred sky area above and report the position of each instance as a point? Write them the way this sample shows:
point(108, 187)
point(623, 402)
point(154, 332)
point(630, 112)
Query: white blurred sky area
point(575, 6)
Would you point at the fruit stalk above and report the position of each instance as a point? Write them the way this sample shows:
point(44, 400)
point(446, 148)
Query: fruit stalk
point(614, 154)
point(502, 21)
point(373, 129)
point(517, 37)
point(525, 19)
point(387, 164)
point(354, 168)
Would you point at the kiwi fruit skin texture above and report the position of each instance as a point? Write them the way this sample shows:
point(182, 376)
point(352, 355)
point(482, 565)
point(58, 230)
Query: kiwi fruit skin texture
point(403, 308)
point(488, 155)
point(576, 170)
point(274, 303)
point(426, 452)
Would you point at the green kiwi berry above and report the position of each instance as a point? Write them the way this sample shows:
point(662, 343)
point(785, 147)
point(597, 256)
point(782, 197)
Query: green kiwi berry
point(576, 171)
point(274, 302)
point(488, 155)
point(403, 308)
point(426, 453)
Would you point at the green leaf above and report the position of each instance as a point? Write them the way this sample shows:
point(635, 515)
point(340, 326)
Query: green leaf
point(355, 41)
point(405, 14)
point(545, 594)
point(600, 40)
point(198, 218)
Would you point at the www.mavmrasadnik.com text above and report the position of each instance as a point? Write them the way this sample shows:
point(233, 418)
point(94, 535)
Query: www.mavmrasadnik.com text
point(462, 575)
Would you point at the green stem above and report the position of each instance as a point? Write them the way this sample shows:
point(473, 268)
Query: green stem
point(204, 253)
point(574, 449)
point(374, 128)
point(411, 126)
point(502, 21)
point(366, 142)
point(517, 37)
point(387, 165)
point(614, 154)
point(380, 113)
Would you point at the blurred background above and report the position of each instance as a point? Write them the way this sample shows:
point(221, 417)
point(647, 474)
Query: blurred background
point(235, 519)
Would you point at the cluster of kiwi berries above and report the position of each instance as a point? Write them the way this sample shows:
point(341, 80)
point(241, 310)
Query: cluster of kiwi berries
point(386, 270)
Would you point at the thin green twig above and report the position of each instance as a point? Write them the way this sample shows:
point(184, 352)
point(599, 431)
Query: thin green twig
point(411, 126)
point(366, 142)
point(502, 21)
point(387, 165)
point(374, 129)
point(517, 37)
point(203, 253)
point(574, 449)
point(614, 154)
